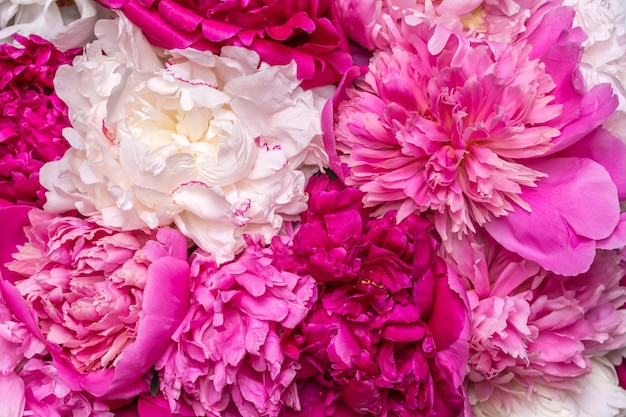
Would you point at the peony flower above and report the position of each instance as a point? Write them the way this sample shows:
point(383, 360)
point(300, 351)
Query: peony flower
point(211, 143)
point(467, 130)
point(595, 395)
point(604, 56)
point(532, 327)
point(104, 302)
point(389, 332)
point(375, 24)
point(32, 117)
point(30, 384)
point(279, 31)
point(227, 357)
point(67, 24)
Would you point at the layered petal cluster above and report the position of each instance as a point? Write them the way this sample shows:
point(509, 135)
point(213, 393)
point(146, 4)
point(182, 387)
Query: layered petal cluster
point(530, 326)
point(604, 56)
point(375, 24)
point(467, 130)
point(211, 143)
point(594, 395)
point(32, 117)
point(67, 24)
point(389, 333)
point(104, 302)
point(29, 384)
point(227, 357)
point(279, 31)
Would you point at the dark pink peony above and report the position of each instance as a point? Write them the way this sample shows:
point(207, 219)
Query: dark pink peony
point(227, 357)
point(104, 302)
point(32, 116)
point(389, 333)
point(279, 31)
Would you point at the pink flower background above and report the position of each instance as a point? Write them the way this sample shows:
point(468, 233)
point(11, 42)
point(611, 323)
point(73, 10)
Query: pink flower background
point(324, 208)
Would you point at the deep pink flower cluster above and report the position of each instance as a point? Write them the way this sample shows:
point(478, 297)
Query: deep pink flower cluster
point(279, 31)
point(32, 116)
point(389, 333)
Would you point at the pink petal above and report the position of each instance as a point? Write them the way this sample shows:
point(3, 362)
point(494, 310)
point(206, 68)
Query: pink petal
point(576, 205)
point(12, 399)
point(165, 303)
point(15, 218)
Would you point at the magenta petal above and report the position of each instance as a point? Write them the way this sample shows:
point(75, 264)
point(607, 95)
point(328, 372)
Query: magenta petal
point(617, 239)
point(158, 407)
point(576, 205)
point(162, 32)
point(179, 16)
point(15, 218)
point(166, 297)
point(607, 150)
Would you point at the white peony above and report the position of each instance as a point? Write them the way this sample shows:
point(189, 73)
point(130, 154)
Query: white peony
point(604, 56)
point(66, 23)
point(214, 144)
point(594, 395)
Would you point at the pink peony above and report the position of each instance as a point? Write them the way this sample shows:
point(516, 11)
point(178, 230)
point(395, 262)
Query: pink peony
point(32, 116)
point(389, 332)
point(279, 31)
point(104, 302)
point(374, 24)
point(470, 131)
point(531, 326)
point(29, 383)
point(227, 357)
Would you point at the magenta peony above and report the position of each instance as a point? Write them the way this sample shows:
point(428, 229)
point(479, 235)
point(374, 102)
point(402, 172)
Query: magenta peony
point(533, 327)
point(389, 333)
point(279, 31)
point(227, 357)
point(104, 302)
point(470, 131)
point(32, 116)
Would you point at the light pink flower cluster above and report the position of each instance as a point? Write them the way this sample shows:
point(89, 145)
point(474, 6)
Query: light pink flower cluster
point(227, 358)
point(470, 131)
point(374, 24)
point(29, 383)
point(32, 116)
point(530, 326)
point(105, 302)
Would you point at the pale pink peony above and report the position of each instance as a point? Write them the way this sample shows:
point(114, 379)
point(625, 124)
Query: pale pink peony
point(104, 302)
point(227, 357)
point(462, 128)
point(388, 335)
point(375, 24)
point(29, 382)
point(279, 31)
point(32, 116)
point(531, 326)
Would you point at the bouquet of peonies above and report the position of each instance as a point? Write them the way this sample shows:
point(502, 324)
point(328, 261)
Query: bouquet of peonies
point(288, 208)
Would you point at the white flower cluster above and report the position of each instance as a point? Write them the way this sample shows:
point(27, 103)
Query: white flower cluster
point(213, 144)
